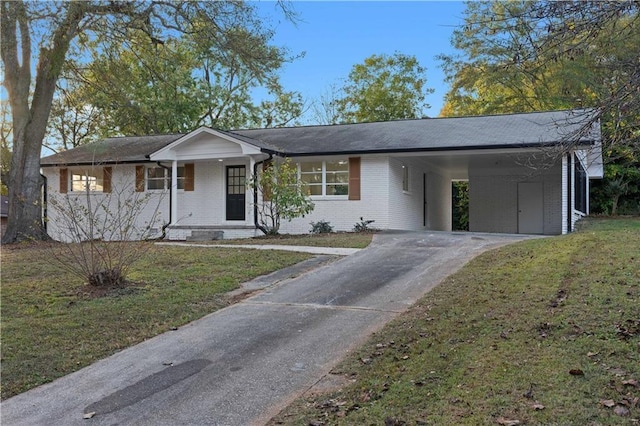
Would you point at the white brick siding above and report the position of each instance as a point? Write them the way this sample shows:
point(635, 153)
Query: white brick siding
point(439, 209)
point(344, 214)
point(155, 204)
point(493, 198)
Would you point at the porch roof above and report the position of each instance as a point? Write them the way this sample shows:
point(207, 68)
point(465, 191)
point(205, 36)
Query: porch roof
point(421, 135)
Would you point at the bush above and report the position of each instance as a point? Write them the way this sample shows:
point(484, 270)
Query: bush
point(321, 227)
point(363, 225)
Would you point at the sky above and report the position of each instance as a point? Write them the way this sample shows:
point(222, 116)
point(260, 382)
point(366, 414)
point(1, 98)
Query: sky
point(337, 35)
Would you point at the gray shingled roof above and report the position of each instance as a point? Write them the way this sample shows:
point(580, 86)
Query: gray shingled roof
point(132, 149)
point(430, 134)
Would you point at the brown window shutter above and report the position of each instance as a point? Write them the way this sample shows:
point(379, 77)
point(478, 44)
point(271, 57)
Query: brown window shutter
point(139, 178)
point(354, 178)
point(106, 179)
point(189, 177)
point(266, 189)
point(64, 181)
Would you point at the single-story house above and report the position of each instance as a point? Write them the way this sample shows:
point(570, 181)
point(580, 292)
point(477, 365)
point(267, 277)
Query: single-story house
point(527, 173)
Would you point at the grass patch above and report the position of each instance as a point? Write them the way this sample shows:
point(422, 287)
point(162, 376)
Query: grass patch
point(52, 327)
point(545, 331)
point(333, 239)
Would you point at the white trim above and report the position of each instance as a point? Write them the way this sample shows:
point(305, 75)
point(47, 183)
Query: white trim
point(168, 153)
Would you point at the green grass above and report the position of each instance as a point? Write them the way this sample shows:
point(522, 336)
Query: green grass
point(337, 239)
point(497, 341)
point(50, 327)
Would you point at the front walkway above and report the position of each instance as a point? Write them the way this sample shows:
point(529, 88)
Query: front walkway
point(336, 251)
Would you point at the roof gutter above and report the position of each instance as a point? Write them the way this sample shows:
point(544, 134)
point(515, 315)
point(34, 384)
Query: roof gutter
point(425, 149)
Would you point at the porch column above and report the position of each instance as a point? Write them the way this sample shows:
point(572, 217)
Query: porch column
point(252, 209)
point(174, 191)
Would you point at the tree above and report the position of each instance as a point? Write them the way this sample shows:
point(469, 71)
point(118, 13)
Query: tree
point(142, 87)
point(326, 108)
point(538, 55)
point(281, 195)
point(63, 29)
point(5, 146)
point(74, 120)
point(384, 87)
point(103, 235)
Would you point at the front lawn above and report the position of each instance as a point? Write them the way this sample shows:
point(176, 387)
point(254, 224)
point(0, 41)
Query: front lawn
point(546, 331)
point(52, 326)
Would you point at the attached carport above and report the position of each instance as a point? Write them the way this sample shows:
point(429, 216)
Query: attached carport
point(509, 192)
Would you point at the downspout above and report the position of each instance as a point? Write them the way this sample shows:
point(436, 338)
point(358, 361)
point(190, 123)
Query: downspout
point(569, 194)
point(44, 203)
point(166, 225)
point(255, 195)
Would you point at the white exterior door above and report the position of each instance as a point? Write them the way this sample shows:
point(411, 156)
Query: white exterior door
point(530, 208)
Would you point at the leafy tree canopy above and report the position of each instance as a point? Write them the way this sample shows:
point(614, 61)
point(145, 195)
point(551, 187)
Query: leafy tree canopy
point(68, 30)
point(522, 56)
point(384, 87)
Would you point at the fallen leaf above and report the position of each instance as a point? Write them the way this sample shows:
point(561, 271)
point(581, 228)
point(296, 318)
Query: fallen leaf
point(507, 422)
point(621, 411)
point(617, 371)
point(537, 406)
point(630, 382)
point(590, 354)
point(576, 372)
point(89, 415)
point(608, 402)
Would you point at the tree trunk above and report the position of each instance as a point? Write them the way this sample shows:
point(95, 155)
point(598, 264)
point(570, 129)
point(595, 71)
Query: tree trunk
point(25, 192)
point(30, 122)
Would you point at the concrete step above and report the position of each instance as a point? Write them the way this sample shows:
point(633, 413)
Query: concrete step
point(208, 235)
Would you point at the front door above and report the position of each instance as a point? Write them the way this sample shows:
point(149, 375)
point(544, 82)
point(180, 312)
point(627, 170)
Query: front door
point(236, 192)
point(530, 208)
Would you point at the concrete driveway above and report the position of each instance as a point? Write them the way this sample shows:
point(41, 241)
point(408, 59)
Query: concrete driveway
point(241, 365)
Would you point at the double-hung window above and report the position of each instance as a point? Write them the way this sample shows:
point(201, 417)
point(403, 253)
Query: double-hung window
point(159, 178)
point(89, 179)
point(325, 178)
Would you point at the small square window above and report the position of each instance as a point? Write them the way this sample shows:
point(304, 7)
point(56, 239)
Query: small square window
point(405, 178)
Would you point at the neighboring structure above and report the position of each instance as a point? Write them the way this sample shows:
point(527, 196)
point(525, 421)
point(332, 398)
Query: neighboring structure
point(527, 173)
point(4, 213)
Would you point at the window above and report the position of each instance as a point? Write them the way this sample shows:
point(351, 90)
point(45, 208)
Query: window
point(405, 178)
point(87, 180)
point(326, 178)
point(580, 186)
point(159, 178)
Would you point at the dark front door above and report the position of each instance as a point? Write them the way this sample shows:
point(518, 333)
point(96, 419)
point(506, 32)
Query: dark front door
point(236, 181)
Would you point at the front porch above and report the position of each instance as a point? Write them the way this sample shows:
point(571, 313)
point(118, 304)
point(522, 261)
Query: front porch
point(219, 203)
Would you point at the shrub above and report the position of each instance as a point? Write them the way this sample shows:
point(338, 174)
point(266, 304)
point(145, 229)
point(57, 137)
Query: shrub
point(363, 225)
point(321, 227)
